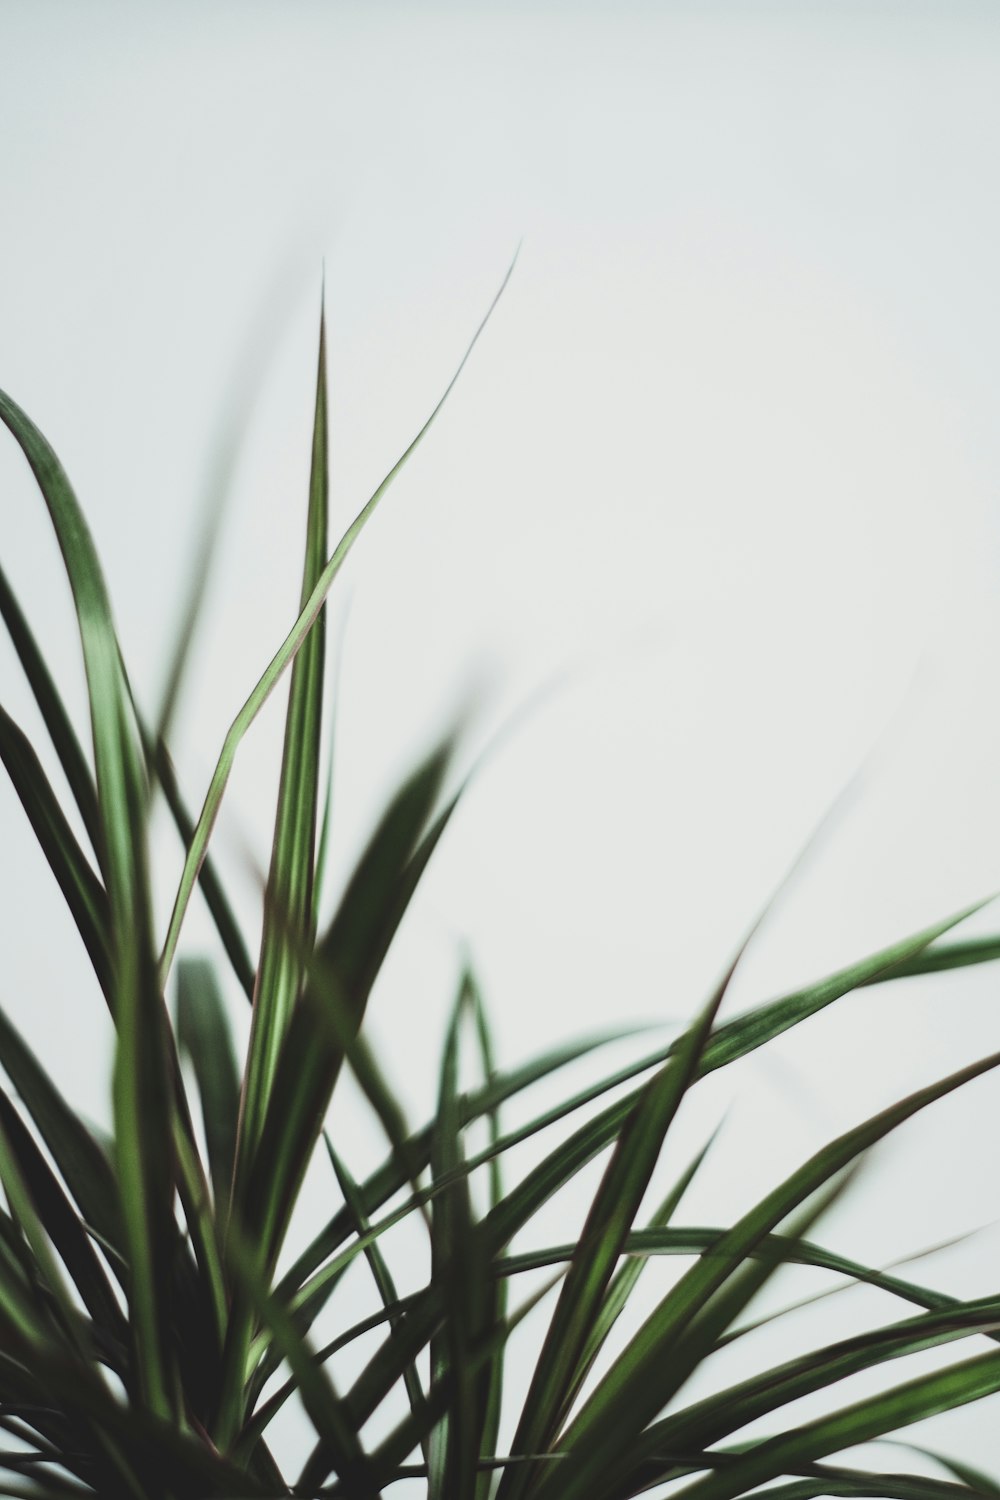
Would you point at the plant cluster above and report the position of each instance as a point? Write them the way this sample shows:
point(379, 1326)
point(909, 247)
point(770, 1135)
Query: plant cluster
point(147, 1339)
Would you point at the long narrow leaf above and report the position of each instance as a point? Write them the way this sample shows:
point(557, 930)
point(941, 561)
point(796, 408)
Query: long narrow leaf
point(84, 894)
point(56, 719)
point(204, 1035)
point(283, 658)
point(288, 897)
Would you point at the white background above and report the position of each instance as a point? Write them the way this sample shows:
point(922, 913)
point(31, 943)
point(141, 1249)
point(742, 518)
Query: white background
point(726, 459)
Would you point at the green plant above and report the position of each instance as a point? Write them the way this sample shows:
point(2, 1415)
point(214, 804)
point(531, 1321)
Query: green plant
point(147, 1339)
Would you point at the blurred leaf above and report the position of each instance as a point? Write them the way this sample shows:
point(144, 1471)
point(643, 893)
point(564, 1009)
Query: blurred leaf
point(727, 1411)
point(54, 715)
point(204, 1036)
point(64, 1228)
point(332, 1422)
point(976, 1479)
point(84, 894)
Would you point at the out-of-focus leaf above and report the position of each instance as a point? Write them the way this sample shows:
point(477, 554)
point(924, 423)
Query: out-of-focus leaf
point(56, 719)
point(85, 1168)
point(204, 1036)
point(85, 895)
point(63, 1227)
point(710, 1420)
point(337, 1433)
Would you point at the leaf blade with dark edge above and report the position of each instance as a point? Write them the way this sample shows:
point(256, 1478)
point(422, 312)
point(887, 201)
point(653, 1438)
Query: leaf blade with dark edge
point(288, 897)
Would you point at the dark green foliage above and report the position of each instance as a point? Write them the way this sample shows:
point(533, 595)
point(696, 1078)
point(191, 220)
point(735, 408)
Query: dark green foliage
point(146, 1341)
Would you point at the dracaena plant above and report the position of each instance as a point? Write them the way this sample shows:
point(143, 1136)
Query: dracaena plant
point(147, 1339)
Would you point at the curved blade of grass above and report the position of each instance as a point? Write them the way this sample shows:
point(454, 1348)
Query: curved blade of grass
point(642, 1243)
point(282, 659)
point(875, 1277)
point(859, 1484)
point(946, 956)
point(976, 1479)
point(84, 894)
point(204, 1035)
point(641, 1381)
point(914, 1401)
point(288, 897)
point(727, 1411)
point(54, 715)
point(140, 1091)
